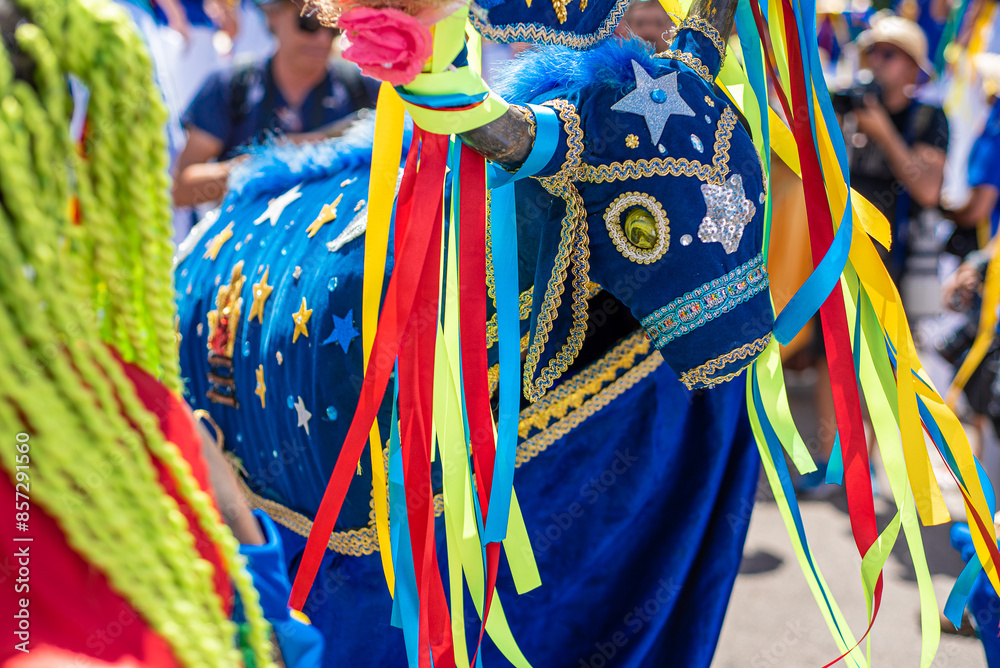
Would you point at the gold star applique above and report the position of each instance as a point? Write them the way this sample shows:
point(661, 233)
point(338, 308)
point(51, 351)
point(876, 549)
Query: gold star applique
point(301, 318)
point(327, 214)
point(632, 141)
point(213, 247)
point(261, 387)
point(261, 291)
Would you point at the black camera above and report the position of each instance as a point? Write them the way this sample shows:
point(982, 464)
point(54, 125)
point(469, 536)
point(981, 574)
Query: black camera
point(853, 98)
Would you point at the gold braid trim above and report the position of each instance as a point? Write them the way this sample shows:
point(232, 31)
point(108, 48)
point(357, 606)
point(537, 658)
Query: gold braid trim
point(536, 33)
point(691, 61)
point(571, 394)
point(700, 376)
point(573, 249)
point(524, 310)
point(699, 24)
point(532, 447)
point(634, 169)
point(355, 542)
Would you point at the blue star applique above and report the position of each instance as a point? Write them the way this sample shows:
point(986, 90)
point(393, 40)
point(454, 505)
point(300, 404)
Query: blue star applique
point(656, 100)
point(343, 331)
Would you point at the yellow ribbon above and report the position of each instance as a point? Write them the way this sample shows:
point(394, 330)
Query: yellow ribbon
point(386, 151)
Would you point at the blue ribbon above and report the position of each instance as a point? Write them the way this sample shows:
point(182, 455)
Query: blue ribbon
point(406, 599)
point(503, 234)
point(546, 142)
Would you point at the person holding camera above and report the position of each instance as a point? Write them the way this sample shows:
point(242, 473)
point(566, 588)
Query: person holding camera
point(897, 144)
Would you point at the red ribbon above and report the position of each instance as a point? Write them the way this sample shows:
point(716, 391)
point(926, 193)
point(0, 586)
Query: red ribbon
point(406, 306)
point(472, 286)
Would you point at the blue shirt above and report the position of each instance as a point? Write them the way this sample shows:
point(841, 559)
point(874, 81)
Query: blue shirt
point(241, 105)
point(983, 170)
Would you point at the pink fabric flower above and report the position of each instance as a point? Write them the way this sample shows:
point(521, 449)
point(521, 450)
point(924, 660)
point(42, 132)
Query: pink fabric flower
point(386, 43)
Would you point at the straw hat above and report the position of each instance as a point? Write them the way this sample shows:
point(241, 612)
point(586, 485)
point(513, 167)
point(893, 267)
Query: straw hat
point(902, 33)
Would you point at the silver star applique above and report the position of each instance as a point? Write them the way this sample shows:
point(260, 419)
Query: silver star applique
point(276, 206)
point(729, 211)
point(656, 100)
point(302, 415)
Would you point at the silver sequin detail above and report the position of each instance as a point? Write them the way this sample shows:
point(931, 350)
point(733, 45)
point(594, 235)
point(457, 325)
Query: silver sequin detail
point(728, 212)
point(696, 142)
point(686, 240)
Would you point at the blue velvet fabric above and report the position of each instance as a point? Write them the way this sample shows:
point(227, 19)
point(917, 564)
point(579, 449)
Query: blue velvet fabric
point(289, 460)
point(702, 296)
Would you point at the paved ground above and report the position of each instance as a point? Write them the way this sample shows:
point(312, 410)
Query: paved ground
point(773, 620)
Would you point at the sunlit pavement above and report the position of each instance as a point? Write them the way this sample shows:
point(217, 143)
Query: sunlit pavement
point(773, 619)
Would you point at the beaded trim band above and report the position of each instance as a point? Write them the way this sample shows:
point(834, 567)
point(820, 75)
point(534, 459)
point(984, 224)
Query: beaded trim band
point(699, 24)
point(706, 302)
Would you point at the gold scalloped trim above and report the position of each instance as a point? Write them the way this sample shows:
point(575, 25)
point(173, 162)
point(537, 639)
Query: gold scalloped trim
point(699, 24)
point(523, 311)
point(700, 376)
point(539, 34)
point(354, 542)
point(629, 170)
point(531, 448)
point(573, 251)
point(691, 61)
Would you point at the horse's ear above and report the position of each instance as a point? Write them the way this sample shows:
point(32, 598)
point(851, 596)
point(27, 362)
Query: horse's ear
point(720, 14)
point(10, 19)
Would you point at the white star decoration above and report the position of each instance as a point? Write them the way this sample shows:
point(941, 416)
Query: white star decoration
point(302, 414)
point(656, 100)
point(277, 205)
point(728, 213)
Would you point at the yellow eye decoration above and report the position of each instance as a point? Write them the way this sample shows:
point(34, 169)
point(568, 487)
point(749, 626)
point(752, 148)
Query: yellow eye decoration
point(644, 235)
point(640, 228)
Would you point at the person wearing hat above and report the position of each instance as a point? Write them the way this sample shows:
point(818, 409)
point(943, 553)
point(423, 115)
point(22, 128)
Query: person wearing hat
point(300, 92)
point(898, 144)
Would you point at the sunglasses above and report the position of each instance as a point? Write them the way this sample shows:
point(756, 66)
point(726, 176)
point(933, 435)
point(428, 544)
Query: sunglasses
point(311, 24)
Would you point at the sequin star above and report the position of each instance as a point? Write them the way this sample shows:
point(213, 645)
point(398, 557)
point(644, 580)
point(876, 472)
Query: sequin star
point(343, 331)
point(301, 318)
point(261, 387)
point(327, 214)
point(261, 291)
point(728, 213)
point(656, 100)
point(276, 206)
point(302, 415)
point(213, 247)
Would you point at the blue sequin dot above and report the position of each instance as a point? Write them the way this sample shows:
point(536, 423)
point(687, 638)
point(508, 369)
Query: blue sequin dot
point(239, 438)
point(246, 349)
point(291, 401)
point(331, 413)
point(332, 285)
point(658, 96)
point(696, 142)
